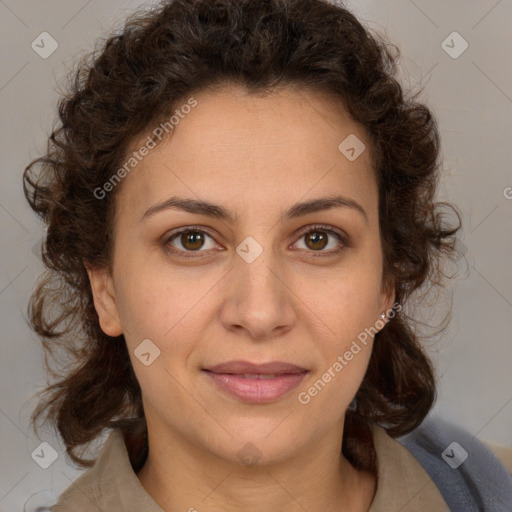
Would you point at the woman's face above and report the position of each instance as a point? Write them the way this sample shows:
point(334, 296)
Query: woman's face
point(249, 285)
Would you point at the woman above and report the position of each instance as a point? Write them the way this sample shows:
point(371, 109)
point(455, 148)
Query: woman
point(240, 200)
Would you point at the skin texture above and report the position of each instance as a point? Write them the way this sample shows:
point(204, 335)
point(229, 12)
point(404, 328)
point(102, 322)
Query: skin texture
point(255, 156)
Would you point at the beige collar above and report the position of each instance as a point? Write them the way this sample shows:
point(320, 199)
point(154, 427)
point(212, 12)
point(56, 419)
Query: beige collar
point(403, 484)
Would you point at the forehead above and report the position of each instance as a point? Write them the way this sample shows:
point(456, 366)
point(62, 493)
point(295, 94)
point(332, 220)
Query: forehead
point(230, 119)
point(234, 147)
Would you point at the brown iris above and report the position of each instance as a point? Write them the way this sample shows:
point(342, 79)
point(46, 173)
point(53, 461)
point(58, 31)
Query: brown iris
point(192, 240)
point(316, 237)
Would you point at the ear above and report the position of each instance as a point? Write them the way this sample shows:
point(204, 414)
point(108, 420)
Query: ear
point(104, 300)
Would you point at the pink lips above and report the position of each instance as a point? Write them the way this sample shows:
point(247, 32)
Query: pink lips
point(256, 383)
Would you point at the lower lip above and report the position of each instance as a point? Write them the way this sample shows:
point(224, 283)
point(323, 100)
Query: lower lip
point(257, 390)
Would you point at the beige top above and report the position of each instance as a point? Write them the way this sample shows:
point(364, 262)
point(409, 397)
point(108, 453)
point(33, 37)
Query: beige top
point(111, 484)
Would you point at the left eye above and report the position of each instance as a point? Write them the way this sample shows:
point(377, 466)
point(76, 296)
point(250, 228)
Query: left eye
point(317, 239)
point(192, 240)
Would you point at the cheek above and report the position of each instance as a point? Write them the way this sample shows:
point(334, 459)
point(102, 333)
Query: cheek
point(348, 304)
point(159, 321)
point(344, 353)
point(347, 318)
point(156, 300)
point(330, 392)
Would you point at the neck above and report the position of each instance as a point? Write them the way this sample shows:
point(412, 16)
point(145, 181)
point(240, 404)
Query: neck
point(182, 476)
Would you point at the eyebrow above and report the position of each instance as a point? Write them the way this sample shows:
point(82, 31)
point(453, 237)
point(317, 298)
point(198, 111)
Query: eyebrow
point(201, 207)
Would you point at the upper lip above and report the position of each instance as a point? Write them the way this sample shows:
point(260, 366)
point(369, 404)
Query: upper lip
point(241, 367)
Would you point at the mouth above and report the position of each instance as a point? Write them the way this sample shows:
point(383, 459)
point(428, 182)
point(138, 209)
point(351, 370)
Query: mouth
point(256, 383)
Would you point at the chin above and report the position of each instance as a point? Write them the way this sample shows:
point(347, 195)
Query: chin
point(261, 444)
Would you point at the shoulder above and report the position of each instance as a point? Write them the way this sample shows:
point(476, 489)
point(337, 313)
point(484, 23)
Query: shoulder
point(110, 484)
point(467, 472)
point(86, 491)
point(403, 483)
point(503, 453)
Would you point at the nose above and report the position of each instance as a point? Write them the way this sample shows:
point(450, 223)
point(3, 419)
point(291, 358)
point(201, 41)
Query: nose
point(259, 303)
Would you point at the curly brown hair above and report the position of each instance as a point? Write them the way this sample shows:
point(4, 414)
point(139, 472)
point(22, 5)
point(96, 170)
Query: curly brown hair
point(135, 79)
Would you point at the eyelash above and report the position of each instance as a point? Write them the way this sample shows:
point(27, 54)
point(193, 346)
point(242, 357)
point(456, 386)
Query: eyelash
point(198, 229)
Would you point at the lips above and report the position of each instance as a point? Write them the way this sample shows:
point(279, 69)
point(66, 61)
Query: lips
point(256, 383)
point(244, 367)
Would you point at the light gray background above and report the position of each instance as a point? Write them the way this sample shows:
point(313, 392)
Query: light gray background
point(472, 98)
